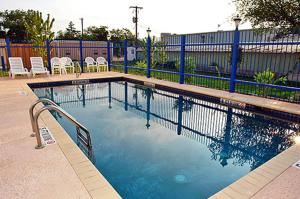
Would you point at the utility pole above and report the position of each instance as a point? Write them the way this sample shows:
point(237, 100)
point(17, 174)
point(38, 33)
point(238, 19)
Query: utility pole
point(135, 20)
point(81, 19)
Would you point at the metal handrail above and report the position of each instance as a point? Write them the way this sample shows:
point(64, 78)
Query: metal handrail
point(35, 126)
point(44, 100)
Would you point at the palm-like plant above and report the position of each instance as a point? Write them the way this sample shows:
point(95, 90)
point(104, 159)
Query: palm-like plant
point(39, 30)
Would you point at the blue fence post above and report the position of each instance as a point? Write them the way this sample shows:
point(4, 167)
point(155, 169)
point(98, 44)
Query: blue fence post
point(125, 57)
point(8, 47)
point(81, 54)
point(148, 94)
point(126, 96)
point(108, 55)
point(234, 60)
point(148, 57)
point(3, 63)
point(180, 109)
point(109, 95)
point(182, 59)
point(48, 48)
point(83, 95)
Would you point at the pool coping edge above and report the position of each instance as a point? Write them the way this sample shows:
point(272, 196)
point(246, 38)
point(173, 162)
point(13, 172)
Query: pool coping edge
point(248, 185)
point(94, 182)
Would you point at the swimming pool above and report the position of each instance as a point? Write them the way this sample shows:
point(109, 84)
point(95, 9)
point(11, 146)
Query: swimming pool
point(150, 143)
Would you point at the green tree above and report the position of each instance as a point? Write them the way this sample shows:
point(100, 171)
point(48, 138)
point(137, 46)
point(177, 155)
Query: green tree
point(128, 34)
point(12, 24)
point(69, 33)
point(118, 35)
point(60, 34)
point(39, 30)
point(96, 33)
point(270, 14)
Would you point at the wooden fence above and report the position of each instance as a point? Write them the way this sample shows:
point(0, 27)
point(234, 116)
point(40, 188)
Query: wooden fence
point(25, 51)
point(59, 48)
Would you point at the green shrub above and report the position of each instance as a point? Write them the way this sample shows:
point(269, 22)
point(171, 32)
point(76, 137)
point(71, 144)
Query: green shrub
point(267, 77)
point(189, 67)
point(141, 64)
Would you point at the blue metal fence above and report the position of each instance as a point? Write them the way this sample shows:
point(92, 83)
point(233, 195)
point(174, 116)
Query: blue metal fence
point(262, 64)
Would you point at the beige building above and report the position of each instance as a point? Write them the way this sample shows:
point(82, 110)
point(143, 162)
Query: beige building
point(70, 48)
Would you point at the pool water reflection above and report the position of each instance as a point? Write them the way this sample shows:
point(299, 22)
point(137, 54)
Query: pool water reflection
point(150, 143)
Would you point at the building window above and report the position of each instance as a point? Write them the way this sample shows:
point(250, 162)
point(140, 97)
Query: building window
point(68, 52)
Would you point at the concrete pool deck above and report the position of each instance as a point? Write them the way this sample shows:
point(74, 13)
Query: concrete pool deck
point(62, 171)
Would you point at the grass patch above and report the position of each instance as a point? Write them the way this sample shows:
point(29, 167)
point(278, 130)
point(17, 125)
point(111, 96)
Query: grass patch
point(3, 73)
point(268, 92)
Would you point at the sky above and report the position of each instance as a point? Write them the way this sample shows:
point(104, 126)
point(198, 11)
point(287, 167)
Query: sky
point(171, 16)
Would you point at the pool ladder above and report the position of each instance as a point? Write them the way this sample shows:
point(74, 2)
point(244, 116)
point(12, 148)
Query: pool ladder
point(85, 140)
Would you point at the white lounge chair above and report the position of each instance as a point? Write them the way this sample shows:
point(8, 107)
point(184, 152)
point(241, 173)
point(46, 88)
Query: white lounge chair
point(90, 63)
point(17, 67)
point(37, 66)
point(101, 61)
point(67, 62)
point(57, 66)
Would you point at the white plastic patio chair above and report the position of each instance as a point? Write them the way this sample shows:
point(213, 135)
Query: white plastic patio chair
point(57, 66)
point(101, 61)
point(37, 66)
point(17, 67)
point(90, 63)
point(67, 62)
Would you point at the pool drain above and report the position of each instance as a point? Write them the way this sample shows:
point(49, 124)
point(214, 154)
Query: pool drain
point(180, 179)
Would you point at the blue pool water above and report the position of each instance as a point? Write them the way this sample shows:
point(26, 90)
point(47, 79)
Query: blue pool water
point(153, 144)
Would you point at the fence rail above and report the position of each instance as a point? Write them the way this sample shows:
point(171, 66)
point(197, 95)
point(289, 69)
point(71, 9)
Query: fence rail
point(265, 64)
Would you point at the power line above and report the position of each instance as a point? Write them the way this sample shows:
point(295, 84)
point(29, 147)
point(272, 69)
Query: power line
point(135, 20)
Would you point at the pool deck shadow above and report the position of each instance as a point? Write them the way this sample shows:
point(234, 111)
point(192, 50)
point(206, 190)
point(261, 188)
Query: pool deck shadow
point(61, 170)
